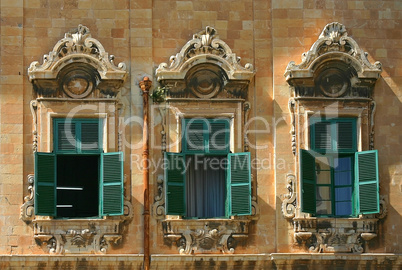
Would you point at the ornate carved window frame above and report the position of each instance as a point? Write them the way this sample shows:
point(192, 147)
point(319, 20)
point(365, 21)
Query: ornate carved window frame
point(77, 78)
point(204, 73)
point(334, 79)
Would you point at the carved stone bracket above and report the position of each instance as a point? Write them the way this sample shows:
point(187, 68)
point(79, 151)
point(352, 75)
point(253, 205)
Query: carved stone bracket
point(246, 108)
point(289, 201)
point(27, 209)
point(291, 106)
point(205, 236)
point(158, 207)
point(34, 106)
point(383, 208)
point(321, 235)
point(373, 106)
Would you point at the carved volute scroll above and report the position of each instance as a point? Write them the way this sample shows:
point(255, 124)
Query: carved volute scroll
point(334, 67)
point(76, 67)
point(206, 68)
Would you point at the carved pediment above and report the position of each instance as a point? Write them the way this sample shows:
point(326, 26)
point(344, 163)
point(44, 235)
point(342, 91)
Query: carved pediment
point(77, 65)
point(205, 67)
point(335, 66)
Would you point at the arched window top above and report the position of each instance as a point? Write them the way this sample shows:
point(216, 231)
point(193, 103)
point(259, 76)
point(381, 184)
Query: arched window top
point(76, 66)
point(339, 59)
point(203, 67)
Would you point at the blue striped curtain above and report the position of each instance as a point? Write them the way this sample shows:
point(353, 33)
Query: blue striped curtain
point(205, 187)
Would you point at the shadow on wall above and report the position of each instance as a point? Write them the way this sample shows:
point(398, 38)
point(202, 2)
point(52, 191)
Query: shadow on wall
point(387, 140)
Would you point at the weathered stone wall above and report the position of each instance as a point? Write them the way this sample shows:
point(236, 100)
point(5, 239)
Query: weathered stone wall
point(145, 33)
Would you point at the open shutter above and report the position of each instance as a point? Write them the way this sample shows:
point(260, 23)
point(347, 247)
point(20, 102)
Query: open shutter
point(90, 136)
point(45, 184)
point(66, 137)
point(111, 186)
point(175, 177)
point(219, 136)
point(308, 183)
point(238, 185)
point(367, 182)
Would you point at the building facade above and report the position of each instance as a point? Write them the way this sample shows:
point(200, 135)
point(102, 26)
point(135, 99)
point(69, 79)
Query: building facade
point(200, 134)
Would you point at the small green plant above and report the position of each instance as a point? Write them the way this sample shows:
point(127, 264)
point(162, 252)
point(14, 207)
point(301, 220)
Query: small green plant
point(159, 94)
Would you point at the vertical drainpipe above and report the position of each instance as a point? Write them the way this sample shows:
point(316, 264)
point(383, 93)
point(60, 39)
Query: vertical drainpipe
point(145, 85)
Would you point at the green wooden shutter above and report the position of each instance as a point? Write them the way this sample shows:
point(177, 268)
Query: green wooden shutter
point(194, 135)
point(346, 135)
point(111, 186)
point(308, 183)
point(66, 137)
point(238, 185)
point(322, 136)
point(90, 136)
point(175, 177)
point(367, 182)
point(45, 184)
point(219, 136)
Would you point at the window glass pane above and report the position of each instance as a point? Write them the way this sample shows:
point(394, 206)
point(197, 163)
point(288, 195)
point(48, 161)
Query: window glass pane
point(343, 208)
point(323, 177)
point(343, 194)
point(324, 208)
point(322, 163)
point(343, 178)
point(323, 193)
point(343, 164)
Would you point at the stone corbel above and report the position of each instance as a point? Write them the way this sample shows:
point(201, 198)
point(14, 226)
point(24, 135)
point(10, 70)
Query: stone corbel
point(158, 207)
point(27, 209)
point(289, 201)
point(34, 106)
point(291, 106)
point(373, 106)
point(383, 208)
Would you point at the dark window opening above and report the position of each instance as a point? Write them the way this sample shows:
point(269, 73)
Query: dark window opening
point(77, 186)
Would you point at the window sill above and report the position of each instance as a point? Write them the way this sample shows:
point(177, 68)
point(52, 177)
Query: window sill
point(71, 236)
point(205, 235)
point(334, 235)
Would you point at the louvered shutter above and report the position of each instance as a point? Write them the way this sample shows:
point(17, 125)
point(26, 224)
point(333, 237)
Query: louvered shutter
point(175, 183)
point(90, 136)
point(66, 137)
point(111, 186)
point(194, 135)
point(322, 136)
point(218, 140)
point(308, 182)
point(238, 185)
point(45, 184)
point(367, 182)
point(346, 136)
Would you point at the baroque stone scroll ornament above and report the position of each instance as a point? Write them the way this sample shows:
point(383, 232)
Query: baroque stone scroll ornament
point(27, 209)
point(289, 201)
point(291, 106)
